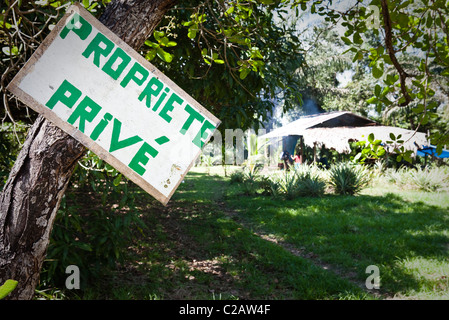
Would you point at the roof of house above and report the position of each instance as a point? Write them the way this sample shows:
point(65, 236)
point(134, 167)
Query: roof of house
point(335, 129)
point(330, 119)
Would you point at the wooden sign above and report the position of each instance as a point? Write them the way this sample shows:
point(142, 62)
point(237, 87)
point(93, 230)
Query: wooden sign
point(92, 85)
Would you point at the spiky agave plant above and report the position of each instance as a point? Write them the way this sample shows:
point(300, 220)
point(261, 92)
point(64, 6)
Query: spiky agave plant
point(348, 178)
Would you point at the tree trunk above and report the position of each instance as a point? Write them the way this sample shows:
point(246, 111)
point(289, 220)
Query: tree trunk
point(31, 197)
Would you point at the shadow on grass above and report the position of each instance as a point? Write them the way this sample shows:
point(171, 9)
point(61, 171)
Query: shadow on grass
point(194, 251)
point(408, 241)
point(201, 252)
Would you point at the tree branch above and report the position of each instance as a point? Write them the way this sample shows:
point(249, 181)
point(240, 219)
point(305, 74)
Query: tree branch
point(389, 45)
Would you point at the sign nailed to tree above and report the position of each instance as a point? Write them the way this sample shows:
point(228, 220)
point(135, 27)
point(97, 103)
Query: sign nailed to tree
point(91, 84)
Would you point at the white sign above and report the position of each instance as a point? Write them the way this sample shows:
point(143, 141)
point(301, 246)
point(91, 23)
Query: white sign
point(91, 84)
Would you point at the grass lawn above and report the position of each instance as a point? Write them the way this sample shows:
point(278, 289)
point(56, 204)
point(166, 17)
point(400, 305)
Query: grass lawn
point(404, 233)
point(194, 250)
point(208, 243)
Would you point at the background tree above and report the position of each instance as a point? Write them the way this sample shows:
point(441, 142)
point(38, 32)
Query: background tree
point(403, 27)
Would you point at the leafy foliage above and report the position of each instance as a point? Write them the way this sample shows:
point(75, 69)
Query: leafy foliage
point(304, 181)
point(429, 180)
point(11, 137)
point(347, 178)
point(371, 150)
point(93, 224)
point(7, 288)
point(418, 27)
point(433, 179)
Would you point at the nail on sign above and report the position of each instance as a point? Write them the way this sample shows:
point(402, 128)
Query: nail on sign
point(91, 84)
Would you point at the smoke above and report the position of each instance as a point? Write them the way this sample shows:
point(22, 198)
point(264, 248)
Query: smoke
point(279, 118)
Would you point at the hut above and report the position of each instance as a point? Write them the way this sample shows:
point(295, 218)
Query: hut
point(334, 130)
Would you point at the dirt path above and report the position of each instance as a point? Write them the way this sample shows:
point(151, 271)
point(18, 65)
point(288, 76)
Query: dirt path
point(171, 220)
point(302, 253)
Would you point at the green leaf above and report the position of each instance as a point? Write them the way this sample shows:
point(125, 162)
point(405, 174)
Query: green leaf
point(407, 157)
point(357, 38)
point(7, 288)
point(192, 33)
point(419, 108)
point(358, 56)
point(392, 137)
point(381, 152)
point(84, 246)
point(372, 100)
point(164, 56)
point(158, 35)
point(150, 54)
point(5, 24)
point(163, 41)
point(377, 72)
point(346, 41)
point(244, 73)
point(229, 11)
point(117, 180)
point(377, 90)
point(151, 44)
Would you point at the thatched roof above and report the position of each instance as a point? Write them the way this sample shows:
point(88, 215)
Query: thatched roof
point(334, 130)
point(330, 119)
point(337, 138)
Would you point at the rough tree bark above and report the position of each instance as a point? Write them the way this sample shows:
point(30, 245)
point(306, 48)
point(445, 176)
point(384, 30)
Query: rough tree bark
point(31, 197)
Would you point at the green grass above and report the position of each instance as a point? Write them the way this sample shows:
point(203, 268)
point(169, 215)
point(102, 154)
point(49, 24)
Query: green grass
point(404, 233)
point(211, 255)
point(203, 245)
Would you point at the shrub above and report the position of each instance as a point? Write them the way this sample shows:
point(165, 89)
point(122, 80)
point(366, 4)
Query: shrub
point(348, 178)
point(237, 177)
point(401, 177)
point(429, 180)
point(312, 186)
point(303, 181)
point(271, 186)
point(288, 184)
point(94, 223)
point(251, 180)
point(310, 181)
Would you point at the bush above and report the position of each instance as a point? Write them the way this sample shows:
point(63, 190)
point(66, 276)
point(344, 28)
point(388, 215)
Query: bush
point(348, 178)
point(303, 181)
point(94, 223)
point(427, 179)
point(237, 177)
point(288, 184)
point(251, 180)
point(312, 186)
point(430, 180)
point(398, 176)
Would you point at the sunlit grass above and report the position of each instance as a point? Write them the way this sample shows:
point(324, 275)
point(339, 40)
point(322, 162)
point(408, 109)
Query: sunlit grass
point(204, 244)
point(402, 231)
